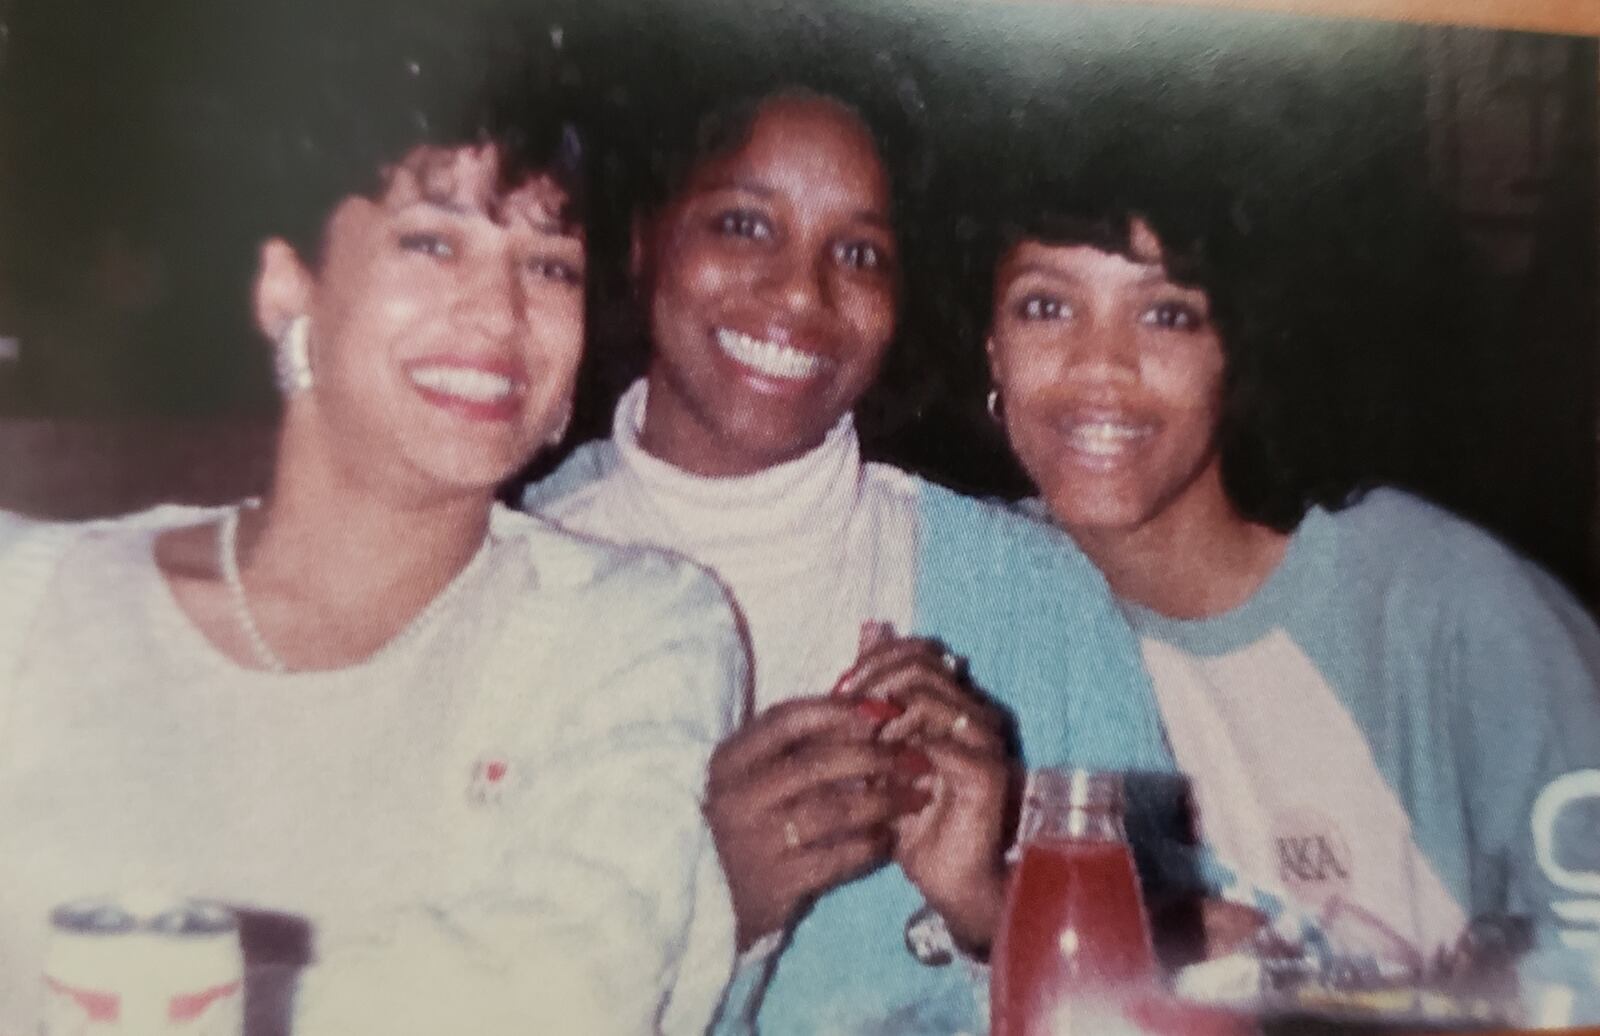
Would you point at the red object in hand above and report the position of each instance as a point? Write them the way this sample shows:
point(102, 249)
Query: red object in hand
point(880, 710)
point(1074, 929)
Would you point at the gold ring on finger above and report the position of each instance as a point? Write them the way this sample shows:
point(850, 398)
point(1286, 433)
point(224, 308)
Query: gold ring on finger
point(962, 722)
point(791, 834)
point(952, 662)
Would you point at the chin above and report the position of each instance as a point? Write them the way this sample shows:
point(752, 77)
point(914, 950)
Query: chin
point(758, 439)
point(476, 471)
point(1095, 515)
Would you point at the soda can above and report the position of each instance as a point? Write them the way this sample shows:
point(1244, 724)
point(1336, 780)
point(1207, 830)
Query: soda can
point(143, 966)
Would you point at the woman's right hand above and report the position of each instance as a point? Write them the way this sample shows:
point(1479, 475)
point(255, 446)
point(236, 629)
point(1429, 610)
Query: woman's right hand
point(798, 803)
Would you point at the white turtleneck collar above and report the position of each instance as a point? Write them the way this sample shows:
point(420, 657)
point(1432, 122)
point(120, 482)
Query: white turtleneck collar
point(795, 508)
point(807, 550)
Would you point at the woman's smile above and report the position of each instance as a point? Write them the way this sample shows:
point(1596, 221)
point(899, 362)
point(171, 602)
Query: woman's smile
point(771, 358)
point(475, 389)
point(1104, 439)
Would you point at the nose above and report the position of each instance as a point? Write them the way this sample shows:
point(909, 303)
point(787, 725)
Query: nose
point(797, 279)
point(490, 301)
point(1105, 350)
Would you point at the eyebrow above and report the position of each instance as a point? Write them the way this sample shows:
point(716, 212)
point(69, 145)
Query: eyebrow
point(1152, 274)
point(552, 226)
point(761, 190)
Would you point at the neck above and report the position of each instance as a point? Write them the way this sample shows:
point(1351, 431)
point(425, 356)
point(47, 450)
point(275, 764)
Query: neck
point(671, 431)
point(334, 538)
point(1199, 557)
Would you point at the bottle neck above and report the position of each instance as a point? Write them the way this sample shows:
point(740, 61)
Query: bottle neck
point(1072, 805)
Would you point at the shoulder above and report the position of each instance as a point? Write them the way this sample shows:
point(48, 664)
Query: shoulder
point(995, 532)
point(616, 580)
point(587, 465)
point(638, 632)
point(1427, 569)
point(24, 540)
point(1392, 537)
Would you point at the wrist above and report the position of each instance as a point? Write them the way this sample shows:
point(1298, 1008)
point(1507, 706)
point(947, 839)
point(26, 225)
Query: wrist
point(974, 919)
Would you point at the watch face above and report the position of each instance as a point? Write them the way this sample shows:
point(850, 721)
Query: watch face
point(928, 940)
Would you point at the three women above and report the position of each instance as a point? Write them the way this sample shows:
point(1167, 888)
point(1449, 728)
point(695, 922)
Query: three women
point(427, 345)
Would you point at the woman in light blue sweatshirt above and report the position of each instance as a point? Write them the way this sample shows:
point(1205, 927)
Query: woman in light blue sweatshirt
point(1380, 707)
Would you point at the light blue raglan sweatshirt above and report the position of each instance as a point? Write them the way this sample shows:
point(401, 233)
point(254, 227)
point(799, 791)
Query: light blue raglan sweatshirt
point(1459, 680)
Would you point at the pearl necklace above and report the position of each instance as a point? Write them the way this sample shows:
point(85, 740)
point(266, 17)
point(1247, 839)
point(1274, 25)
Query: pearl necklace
point(270, 660)
point(228, 562)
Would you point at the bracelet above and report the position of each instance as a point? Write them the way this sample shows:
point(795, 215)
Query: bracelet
point(928, 938)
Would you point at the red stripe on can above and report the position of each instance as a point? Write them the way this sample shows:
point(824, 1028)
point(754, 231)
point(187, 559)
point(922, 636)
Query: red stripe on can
point(186, 1007)
point(97, 1006)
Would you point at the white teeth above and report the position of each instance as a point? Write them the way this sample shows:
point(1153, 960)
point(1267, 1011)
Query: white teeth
point(1105, 438)
point(770, 358)
point(469, 383)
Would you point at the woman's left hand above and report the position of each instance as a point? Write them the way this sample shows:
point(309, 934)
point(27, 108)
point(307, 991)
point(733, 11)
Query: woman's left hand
point(952, 848)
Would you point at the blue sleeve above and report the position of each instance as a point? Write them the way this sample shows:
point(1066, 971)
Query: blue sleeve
point(1041, 633)
point(1525, 676)
point(1044, 637)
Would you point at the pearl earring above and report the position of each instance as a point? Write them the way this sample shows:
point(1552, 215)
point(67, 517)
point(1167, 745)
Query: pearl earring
point(292, 357)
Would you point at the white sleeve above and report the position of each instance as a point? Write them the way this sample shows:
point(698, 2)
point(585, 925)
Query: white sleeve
point(609, 913)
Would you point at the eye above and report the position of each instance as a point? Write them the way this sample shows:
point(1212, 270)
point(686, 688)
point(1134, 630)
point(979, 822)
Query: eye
point(427, 243)
point(743, 223)
point(1043, 307)
point(558, 270)
point(861, 255)
point(1173, 316)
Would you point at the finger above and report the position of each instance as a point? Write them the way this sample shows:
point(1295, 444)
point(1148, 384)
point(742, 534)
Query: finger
point(932, 706)
point(873, 633)
point(916, 661)
point(890, 653)
point(821, 767)
point(964, 765)
point(779, 729)
point(827, 819)
point(827, 866)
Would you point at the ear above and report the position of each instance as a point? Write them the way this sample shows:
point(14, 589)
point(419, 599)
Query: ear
point(283, 288)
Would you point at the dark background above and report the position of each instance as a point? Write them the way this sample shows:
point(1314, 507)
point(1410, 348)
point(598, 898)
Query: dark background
point(1443, 183)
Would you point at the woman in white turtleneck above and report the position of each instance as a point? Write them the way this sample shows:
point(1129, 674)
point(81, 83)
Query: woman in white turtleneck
point(771, 285)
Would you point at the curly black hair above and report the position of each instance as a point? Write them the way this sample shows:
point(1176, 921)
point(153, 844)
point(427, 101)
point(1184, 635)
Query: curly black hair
point(336, 95)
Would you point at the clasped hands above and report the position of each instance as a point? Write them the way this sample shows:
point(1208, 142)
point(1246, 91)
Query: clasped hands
point(903, 761)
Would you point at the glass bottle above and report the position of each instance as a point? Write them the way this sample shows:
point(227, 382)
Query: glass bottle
point(1074, 931)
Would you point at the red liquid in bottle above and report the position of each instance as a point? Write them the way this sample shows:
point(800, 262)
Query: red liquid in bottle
point(1074, 928)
